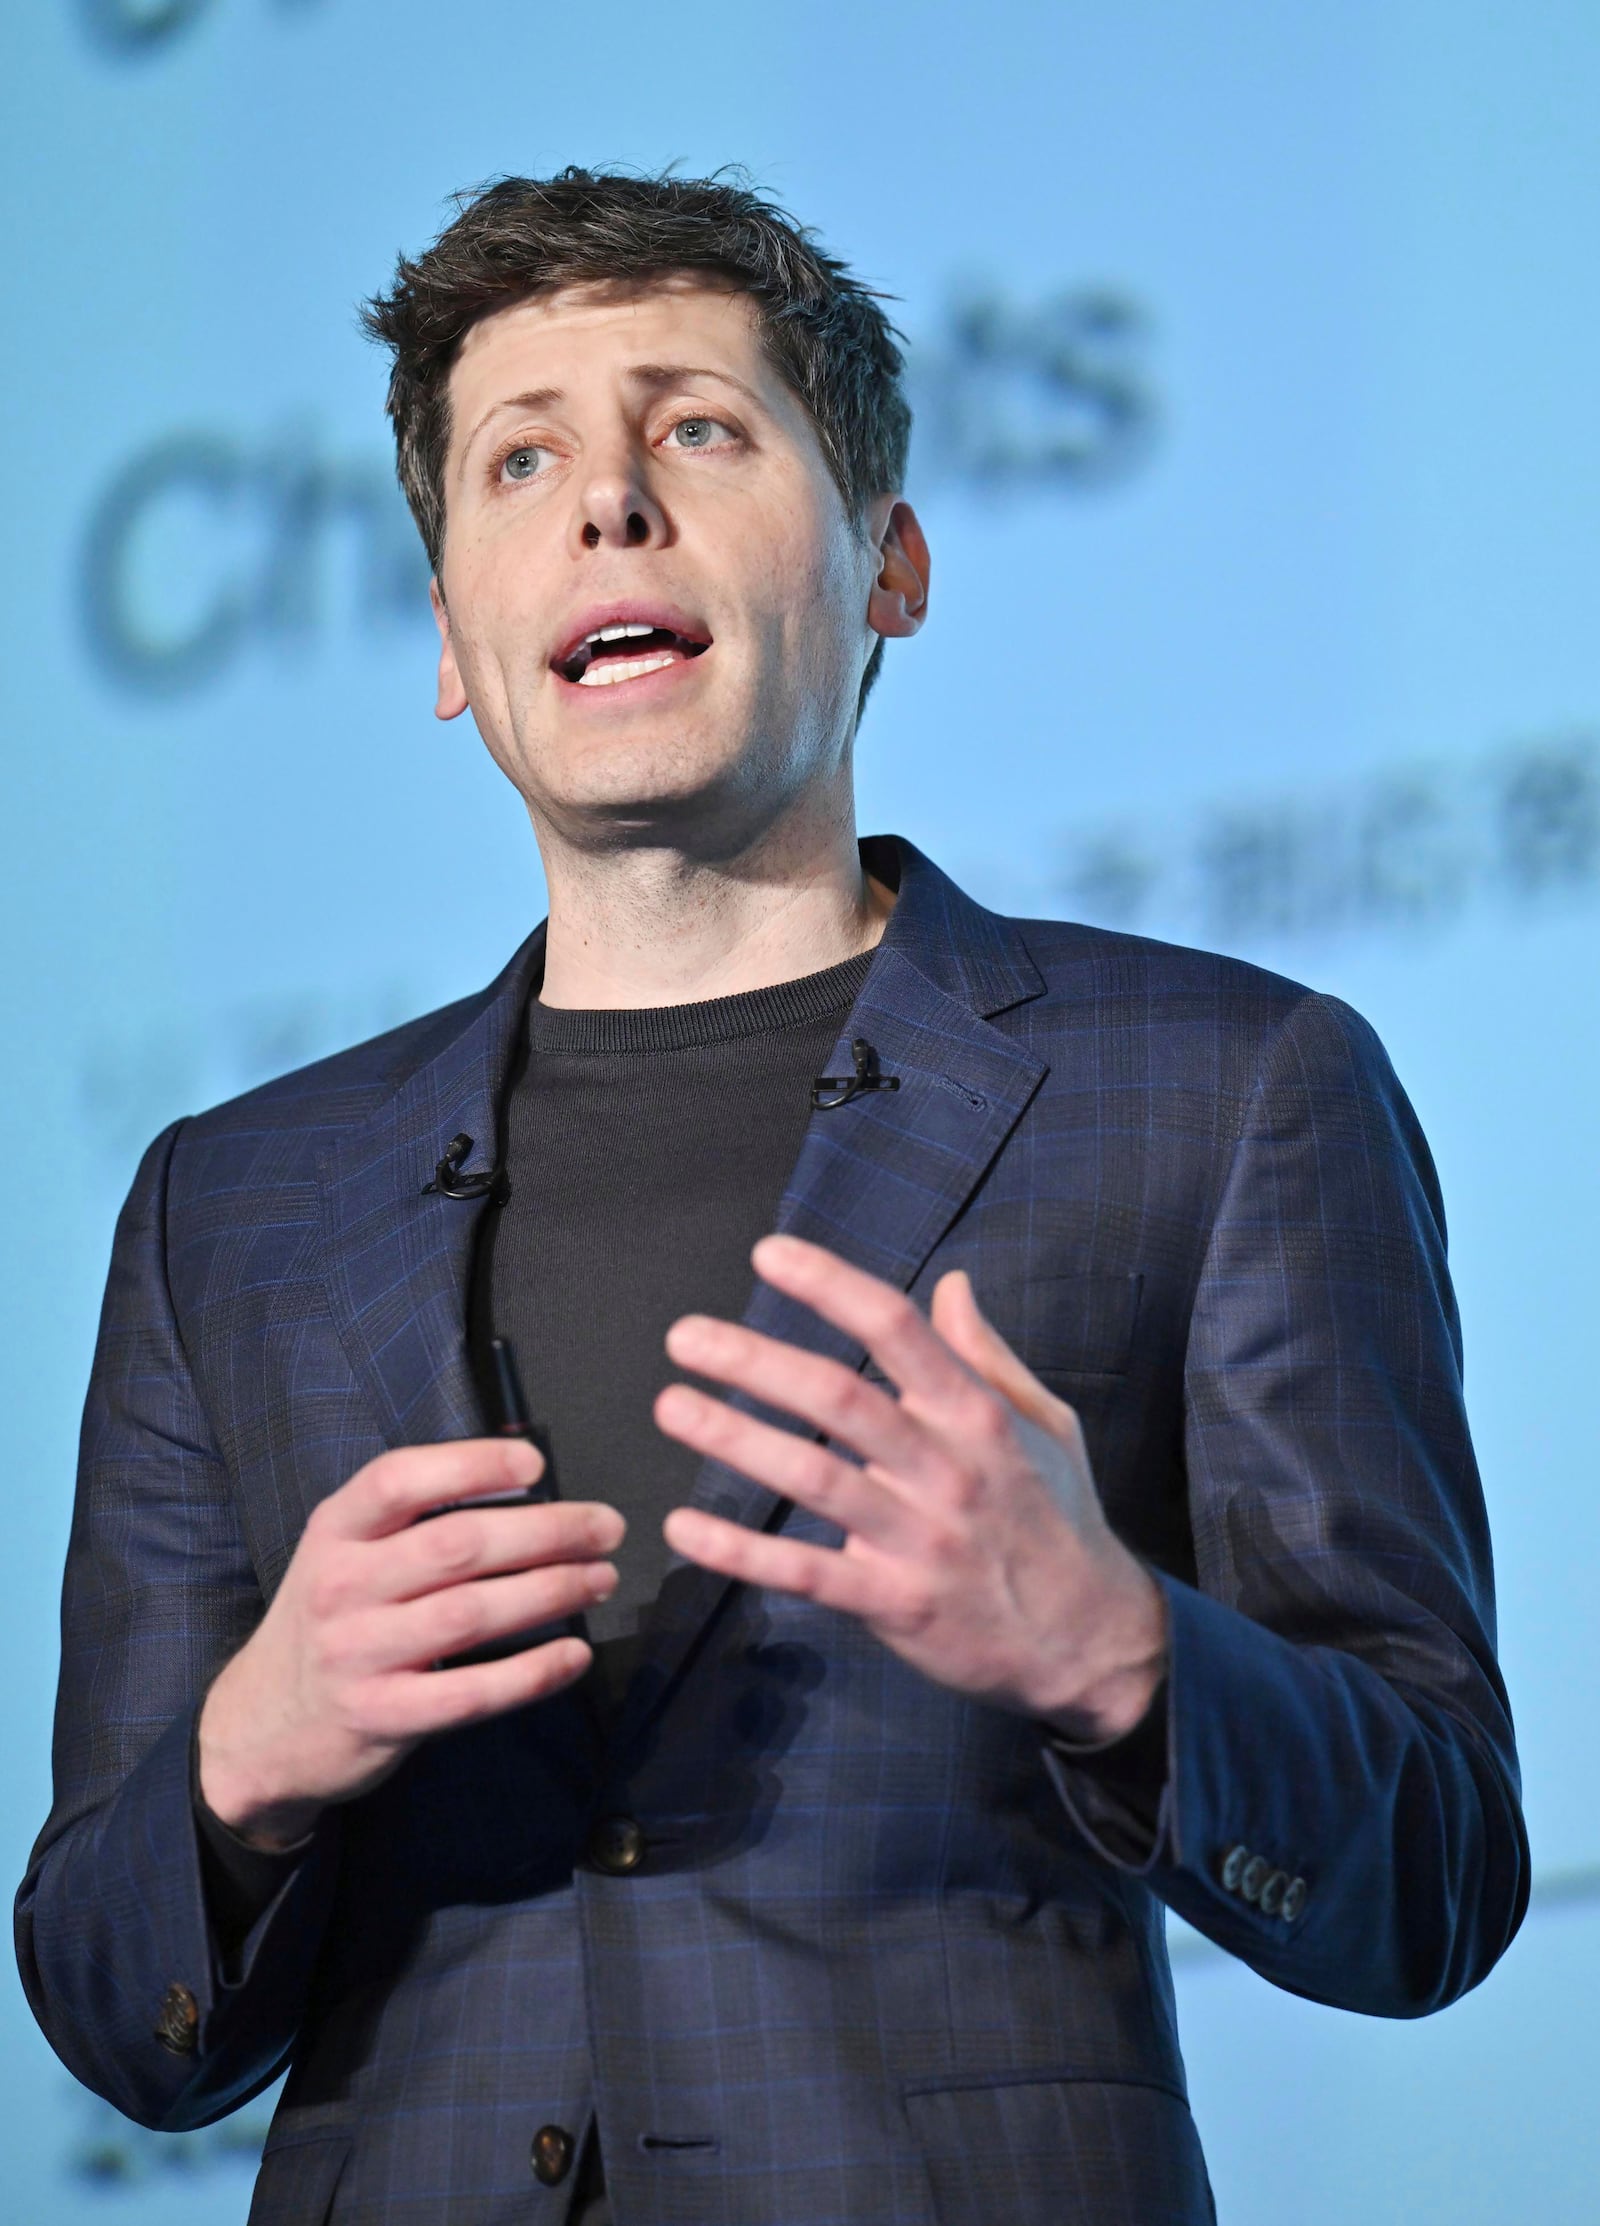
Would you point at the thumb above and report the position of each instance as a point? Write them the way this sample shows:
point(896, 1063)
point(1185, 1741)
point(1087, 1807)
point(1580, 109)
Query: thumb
point(972, 1337)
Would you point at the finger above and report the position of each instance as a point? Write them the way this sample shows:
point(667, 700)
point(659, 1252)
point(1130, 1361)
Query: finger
point(967, 1330)
point(877, 1314)
point(397, 1487)
point(823, 1392)
point(486, 1542)
point(861, 1501)
point(412, 1705)
point(409, 1634)
point(857, 1585)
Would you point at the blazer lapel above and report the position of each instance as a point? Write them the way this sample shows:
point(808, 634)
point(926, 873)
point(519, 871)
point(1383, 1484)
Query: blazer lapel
point(399, 1256)
point(880, 1179)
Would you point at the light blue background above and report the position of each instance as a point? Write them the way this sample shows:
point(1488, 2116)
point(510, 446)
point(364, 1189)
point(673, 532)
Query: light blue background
point(1335, 610)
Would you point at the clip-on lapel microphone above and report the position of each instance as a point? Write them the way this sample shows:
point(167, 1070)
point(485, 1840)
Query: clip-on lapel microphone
point(829, 1090)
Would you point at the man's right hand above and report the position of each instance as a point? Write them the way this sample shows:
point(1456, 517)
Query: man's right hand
point(337, 1684)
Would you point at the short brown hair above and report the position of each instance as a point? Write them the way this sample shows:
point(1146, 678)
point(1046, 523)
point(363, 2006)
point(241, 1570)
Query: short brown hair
point(822, 329)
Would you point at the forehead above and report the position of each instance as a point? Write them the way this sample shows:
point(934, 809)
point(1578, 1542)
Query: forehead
point(566, 339)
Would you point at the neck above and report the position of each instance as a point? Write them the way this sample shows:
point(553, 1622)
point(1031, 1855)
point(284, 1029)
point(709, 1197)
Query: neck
point(659, 926)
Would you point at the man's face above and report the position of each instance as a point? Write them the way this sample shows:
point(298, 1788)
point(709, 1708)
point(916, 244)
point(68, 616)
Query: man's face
point(631, 460)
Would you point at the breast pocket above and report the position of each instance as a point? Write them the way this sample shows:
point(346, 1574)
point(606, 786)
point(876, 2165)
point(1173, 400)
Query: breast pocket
point(1037, 2152)
point(1066, 1325)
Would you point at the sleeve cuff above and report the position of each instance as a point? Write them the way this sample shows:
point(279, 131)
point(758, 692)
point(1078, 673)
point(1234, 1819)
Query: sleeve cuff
point(1118, 1791)
point(241, 1882)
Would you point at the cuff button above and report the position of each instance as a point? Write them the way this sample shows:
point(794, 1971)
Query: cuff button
point(178, 2024)
point(1294, 1900)
point(1272, 1893)
point(1232, 1868)
point(1256, 1873)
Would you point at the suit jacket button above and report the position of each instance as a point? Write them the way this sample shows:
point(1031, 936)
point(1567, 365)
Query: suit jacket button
point(616, 1846)
point(1294, 1900)
point(178, 2024)
point(552, 2155)
point(1233, 1867)
point(1255, 1875)
point(1272, 1893)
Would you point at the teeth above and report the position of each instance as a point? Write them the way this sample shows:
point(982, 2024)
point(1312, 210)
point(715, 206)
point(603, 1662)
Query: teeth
point(624, 668)
point(618, 633)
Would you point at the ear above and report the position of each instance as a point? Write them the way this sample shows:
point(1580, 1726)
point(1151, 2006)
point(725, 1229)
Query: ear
point(899, 599)
point(451, 698)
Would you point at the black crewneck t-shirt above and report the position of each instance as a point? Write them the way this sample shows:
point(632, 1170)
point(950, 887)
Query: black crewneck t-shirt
point(645, 1151)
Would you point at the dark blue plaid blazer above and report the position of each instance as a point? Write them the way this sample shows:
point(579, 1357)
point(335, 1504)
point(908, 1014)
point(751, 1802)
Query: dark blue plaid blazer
point(884, 1959)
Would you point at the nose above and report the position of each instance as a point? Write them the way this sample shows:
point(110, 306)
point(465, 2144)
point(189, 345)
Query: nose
point(616, 509)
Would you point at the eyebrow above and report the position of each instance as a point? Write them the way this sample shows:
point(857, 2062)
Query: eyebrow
point(536, 398)
point(676, 374)
point(653, 376)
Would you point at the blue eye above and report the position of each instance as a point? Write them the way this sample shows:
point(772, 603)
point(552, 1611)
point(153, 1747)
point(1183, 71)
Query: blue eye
point(522, 463)
point(694, 432)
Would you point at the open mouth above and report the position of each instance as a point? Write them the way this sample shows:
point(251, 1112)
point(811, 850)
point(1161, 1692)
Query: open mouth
point(626, 650)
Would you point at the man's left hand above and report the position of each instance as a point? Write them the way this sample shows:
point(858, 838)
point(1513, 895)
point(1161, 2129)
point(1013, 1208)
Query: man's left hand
point(975, 1543)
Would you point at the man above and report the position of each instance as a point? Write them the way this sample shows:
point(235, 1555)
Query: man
point(1074, 1514)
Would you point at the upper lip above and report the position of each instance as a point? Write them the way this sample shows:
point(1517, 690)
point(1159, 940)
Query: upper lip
point(628, 611)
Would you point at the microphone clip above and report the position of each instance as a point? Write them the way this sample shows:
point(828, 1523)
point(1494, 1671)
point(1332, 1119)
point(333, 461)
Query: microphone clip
point(829, 1090)
point(448, 1180)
